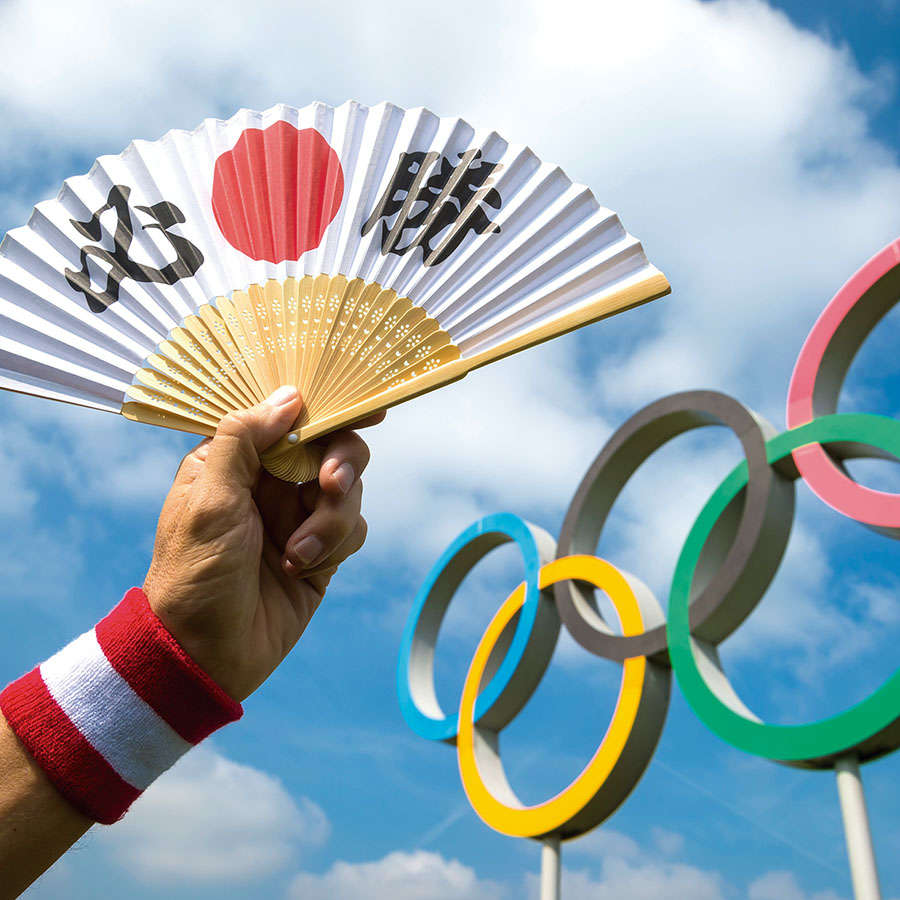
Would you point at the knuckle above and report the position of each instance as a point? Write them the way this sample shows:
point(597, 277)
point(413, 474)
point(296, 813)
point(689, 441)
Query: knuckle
point(230, 424)
point(236, 424)
point(183, 460)
point(237, 429)
point(205, 514)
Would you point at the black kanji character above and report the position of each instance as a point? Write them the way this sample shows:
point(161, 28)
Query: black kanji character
point(451, 198)
point(165, 214)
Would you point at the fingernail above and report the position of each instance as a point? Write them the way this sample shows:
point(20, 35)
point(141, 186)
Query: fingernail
point(308, 549)
point(284, 395)
point(344, 476)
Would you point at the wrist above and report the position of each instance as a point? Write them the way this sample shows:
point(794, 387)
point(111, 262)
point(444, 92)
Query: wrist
point(203, 632)
point(114, 709)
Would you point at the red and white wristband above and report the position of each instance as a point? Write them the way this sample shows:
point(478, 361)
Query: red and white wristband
point(114, 709)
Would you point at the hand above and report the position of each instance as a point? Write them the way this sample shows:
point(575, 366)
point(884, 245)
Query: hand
point(242, 559)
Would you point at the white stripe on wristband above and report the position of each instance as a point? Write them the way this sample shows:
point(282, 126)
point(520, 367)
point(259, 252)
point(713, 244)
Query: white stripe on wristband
point(111, 717)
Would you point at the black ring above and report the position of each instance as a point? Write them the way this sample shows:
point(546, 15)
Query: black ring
point(758, 535)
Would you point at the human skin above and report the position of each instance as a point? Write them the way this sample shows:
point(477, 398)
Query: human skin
point(241, 563)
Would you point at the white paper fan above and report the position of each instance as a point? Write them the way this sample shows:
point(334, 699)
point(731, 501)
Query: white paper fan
point(365, 255)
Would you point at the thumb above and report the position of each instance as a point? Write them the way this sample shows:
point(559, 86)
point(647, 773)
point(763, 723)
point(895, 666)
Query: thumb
point(233, 454)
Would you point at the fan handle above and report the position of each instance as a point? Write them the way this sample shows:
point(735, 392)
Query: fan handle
point(294, 462)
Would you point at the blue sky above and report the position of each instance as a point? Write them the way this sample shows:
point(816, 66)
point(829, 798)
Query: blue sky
point(754, 149)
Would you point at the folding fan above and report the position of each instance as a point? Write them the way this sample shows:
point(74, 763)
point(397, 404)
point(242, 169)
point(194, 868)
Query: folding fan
point(365, 255)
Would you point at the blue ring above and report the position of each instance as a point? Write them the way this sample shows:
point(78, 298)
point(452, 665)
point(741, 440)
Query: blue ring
point(508, 527)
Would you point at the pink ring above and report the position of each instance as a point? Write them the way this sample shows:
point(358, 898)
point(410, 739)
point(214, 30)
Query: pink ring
point(819, 373)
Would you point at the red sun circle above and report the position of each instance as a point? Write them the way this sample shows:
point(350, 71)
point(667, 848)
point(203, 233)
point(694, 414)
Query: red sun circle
point(276, 191)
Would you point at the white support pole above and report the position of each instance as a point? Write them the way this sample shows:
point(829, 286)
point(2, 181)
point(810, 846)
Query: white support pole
point(856, 830)
point(550, 869)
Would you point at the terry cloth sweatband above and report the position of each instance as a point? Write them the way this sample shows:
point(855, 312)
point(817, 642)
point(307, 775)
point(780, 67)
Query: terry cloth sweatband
point(114, 709)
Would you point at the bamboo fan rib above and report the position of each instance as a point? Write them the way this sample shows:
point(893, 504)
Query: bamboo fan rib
point(364, 254)
point(340, 342)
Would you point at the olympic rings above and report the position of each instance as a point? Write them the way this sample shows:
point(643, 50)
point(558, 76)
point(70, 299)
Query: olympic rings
point(725, 567)
point(819, 373)
point(522, 656)
point(869, 729)
point(769, 503)
point(622, 756)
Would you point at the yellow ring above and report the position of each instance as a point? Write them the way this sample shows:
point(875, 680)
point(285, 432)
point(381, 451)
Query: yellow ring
point(508, 815)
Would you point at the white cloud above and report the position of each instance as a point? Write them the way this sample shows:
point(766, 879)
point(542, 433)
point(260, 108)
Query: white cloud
point(51, 455)
point(877, 603)
point(101, 459)
point(40, 556)
point(515, 436)
point(743, 143)
point(784, 886)
point(18, 498)
point(602, 843)
point(619, 866)
point(647, 882)
point(669, 843)
point(735, 144)
point(138, 70)
point(212, 820)
point(398, 876)
point(628, 870)
point(39, 564)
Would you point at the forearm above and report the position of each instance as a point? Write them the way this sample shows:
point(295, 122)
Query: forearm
point(36, 824)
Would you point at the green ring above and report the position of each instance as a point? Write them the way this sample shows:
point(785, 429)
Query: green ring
point(816, 745)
